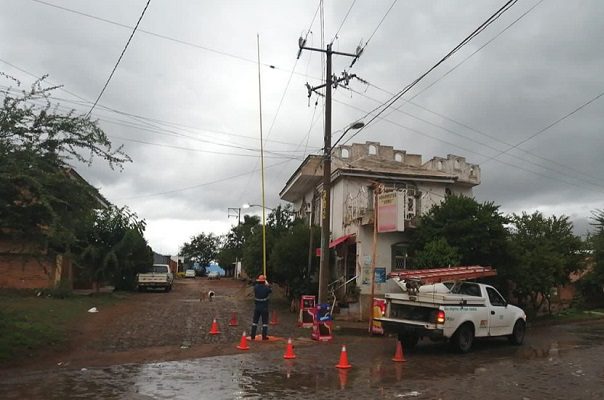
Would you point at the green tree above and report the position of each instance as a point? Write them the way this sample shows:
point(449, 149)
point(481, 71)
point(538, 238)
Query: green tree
point(40, 201)
point(545, 252)
point(233, 244)
point(202, 249)
point(114, 248)
point(437, 253)
point(592, 284)
point(289, 259)
point(475, 229)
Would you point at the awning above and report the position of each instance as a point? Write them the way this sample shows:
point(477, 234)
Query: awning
point(339, 240)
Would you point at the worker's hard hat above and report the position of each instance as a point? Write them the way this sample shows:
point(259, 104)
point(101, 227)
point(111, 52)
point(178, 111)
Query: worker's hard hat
point(261, 278)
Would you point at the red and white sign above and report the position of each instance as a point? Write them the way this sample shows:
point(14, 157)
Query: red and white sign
point(391, 212)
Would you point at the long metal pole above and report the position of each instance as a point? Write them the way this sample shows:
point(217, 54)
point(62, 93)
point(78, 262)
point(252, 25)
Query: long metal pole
point(324, 269)
point(373, 253)
point(262, 164)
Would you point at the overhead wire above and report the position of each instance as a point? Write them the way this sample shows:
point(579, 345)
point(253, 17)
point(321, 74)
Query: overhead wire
point(443, 76)
point(151, 122)
point(319, 7)
point(386, 105)
point(343, 21)
point(456, 145)
point(219, 180)
point(551, 125)
point(120, 57)
point(167, 38)
point(496, 149)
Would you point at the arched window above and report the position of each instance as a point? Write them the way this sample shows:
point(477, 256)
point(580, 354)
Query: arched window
point(447, 192)
point(372, 150)
point(345, 153)
point(439, 165)
point(398, 157)
point(457, 166)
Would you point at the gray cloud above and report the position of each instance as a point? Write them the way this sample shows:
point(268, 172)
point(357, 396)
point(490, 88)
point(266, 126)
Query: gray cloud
point(540, 69)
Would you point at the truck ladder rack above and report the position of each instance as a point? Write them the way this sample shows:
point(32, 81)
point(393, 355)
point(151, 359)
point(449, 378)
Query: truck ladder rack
point(437, 275)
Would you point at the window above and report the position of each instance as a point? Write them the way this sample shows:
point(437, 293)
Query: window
point(345, 153)
point(372, 150)
point(472, 172)
point(495, 298)
point(439, 165)
point(398, 157)
point(467, 288)
point(457, 165)
point(447, 192)
point(399, 255)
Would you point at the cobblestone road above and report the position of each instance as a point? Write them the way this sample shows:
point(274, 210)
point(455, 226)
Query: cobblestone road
point(556, 362)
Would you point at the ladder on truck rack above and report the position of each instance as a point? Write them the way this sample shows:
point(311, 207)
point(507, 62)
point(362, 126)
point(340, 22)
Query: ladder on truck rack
point(414, 278)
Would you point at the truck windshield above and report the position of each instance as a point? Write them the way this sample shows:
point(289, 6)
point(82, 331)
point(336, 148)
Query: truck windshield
point(159, 269)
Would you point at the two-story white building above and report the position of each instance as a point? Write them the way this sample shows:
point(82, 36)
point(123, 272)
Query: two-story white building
point(414, 187)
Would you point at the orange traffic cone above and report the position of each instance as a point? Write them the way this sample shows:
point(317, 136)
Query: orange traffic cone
point(214, 329)
point(289, 350)
point(274, 320)
point(243, 343)
point(343, 359)
point(398, 355)
point(233, 321)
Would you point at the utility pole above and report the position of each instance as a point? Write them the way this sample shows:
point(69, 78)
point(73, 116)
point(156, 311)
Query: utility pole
point(324, 267)
point(235, 212)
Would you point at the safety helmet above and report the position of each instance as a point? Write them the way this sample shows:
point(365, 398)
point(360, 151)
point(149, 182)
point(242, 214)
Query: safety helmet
point(261, 278)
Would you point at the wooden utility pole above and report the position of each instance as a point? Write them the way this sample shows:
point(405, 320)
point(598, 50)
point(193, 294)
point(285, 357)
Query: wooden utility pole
point(324, 268)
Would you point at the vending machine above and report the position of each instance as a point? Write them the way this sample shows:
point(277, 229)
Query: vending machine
point(379, 307)
point(306, 317)
point(322, 328)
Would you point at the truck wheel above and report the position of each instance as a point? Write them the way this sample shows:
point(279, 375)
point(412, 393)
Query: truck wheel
point(517, 336)
point(463, 338)
point(408, 341)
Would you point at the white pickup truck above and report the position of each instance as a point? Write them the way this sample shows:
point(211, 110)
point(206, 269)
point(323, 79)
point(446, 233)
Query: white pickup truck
point(159, 276)
point(454, 311)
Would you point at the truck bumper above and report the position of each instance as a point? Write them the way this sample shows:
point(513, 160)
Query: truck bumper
point(410, 328)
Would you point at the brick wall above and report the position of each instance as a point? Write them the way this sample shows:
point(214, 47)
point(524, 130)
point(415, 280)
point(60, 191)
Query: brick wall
point(19, 272)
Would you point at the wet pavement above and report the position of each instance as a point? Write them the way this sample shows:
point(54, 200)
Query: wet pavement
point(556, 362)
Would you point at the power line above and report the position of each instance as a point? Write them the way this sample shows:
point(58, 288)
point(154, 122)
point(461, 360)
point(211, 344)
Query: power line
point(343, 21)
point(469, 56)
point(380, 23)
point(486, 144)
point(556, 122)
point(166, 37)
point(416, 131)
point(120, 58)
point(137, 117)
point(223, 179)
point(471, 36)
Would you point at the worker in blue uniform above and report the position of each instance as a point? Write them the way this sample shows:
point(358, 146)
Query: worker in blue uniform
point(262, 291)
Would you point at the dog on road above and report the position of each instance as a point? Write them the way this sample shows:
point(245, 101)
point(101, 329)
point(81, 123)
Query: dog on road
point(207, 296)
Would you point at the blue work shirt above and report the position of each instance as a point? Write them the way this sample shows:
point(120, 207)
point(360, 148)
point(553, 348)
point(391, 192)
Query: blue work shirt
point(261, 293)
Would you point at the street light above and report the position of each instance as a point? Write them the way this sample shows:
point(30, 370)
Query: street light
point(246, 205)
point(326, 209)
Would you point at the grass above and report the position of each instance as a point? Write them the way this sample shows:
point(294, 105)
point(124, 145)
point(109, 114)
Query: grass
point(29, 322)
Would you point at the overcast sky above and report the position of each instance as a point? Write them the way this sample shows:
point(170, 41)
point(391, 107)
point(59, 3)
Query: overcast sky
point(184, 99)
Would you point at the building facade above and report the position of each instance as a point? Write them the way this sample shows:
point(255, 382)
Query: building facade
point(410, 188)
